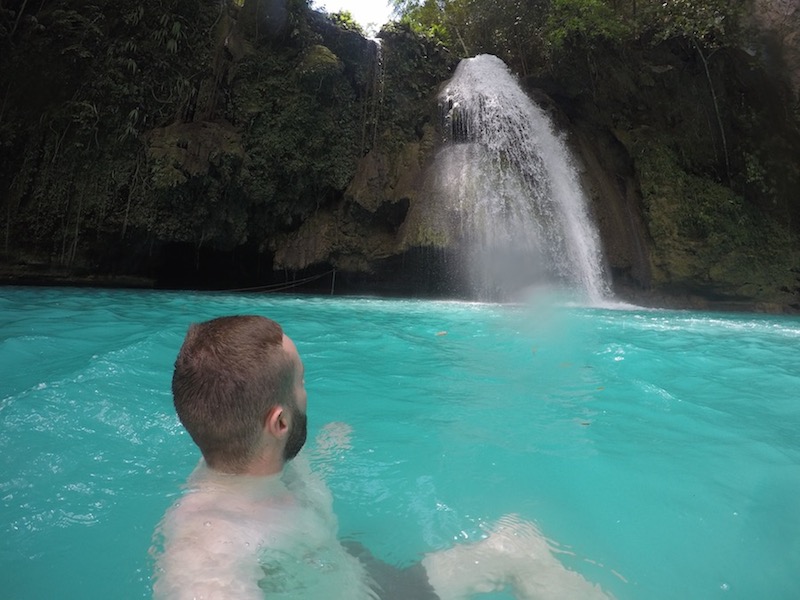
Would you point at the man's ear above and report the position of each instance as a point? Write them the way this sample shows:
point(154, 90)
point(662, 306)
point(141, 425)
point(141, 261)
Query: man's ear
point(276, 423)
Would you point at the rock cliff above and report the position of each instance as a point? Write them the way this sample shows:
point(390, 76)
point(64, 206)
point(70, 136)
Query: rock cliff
point(231, 146)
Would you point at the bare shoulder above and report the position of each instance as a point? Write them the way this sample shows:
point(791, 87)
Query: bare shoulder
point(209, 550)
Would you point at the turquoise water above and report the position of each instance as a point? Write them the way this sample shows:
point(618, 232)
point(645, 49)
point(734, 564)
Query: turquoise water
point(660, 449)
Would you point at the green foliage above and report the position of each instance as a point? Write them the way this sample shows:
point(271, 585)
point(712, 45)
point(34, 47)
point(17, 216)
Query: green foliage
point(319, 61)
point(418, 65)
point(300, 116)
point(345, 20)
point(510, 29)
point(82, 81)
point(425, 18)
point(583, 22)
point(704, 232)
point(521, 32)
point(713, 22)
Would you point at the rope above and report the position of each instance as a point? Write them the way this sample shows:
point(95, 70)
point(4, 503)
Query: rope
point(279, 287)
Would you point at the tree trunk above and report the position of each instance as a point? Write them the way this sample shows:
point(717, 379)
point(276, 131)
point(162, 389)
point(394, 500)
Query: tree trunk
point(19, 17)
point(8, 226)
point(74, 249)
point(197, 253)
point(716, 110)
point(131, 188)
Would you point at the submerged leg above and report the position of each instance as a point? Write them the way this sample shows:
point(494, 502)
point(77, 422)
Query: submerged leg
point(515, 555)
point(390, 582)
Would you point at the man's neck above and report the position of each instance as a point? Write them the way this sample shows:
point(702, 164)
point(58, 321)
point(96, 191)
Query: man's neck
point(262, 465)
point(263, 468)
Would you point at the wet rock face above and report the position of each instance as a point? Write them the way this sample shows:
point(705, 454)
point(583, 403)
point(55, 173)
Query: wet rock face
point(611, 184)
point(368, 224)
point(673, 224)
point(779, 23)
point(683, 211)
point(298, 149)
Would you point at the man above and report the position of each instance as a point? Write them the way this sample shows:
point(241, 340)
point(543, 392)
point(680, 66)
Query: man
point(254, 523)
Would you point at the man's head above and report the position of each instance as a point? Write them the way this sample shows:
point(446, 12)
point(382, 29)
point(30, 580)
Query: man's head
point(238, 390)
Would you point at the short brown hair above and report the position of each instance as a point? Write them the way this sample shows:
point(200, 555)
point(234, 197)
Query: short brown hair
point(229, 373)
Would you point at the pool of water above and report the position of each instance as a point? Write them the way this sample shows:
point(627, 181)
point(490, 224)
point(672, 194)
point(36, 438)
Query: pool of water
point(660, 450)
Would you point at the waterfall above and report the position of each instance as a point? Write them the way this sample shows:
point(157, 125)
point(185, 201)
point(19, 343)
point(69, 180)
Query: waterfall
point(373, 97)
point(508, 192)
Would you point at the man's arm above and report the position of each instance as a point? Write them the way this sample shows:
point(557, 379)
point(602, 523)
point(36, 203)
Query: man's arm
point(331, 442)
point(206, 558)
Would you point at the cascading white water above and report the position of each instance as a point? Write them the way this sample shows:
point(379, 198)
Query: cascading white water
point(373, 104)
point(510, 190)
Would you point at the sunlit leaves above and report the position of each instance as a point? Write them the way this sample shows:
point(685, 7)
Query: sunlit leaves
point(511, 29)
point(583, 20)
point(520, 30)
point(712, 21)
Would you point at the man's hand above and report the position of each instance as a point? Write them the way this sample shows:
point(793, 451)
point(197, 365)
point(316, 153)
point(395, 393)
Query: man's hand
point(333, 437)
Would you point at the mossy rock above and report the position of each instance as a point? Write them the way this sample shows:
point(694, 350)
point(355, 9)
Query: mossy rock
point(705, 235)
point(320, 61)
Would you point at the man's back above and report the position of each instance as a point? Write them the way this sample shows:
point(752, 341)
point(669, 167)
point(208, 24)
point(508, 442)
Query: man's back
point(237, 536)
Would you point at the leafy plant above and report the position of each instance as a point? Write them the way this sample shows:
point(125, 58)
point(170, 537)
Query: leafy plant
point(583, 22)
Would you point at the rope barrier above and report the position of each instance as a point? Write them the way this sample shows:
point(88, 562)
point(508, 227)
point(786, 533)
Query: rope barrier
point(279, 287)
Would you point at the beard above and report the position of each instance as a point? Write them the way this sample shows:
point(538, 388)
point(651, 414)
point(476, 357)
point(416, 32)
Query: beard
point(297, 435)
